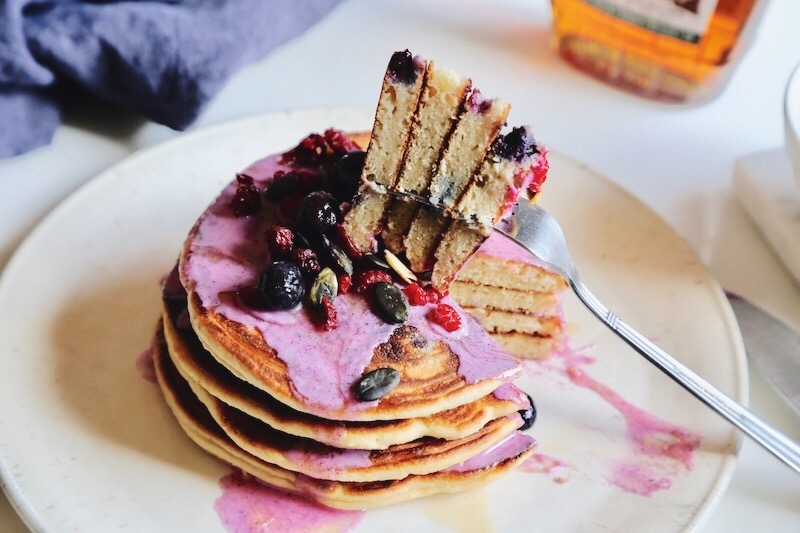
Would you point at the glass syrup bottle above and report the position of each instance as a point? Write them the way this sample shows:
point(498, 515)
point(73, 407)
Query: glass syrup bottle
point(679, 51)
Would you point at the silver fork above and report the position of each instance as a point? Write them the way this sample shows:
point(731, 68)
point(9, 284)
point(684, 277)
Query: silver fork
point(538, 232)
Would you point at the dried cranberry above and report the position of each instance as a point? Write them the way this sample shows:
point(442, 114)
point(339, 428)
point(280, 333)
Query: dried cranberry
point(307, 261)
point(416, 294)
point(251, 297)
point(366, 279)
point(434, 296)
point(328, 319)
point(447, 317)
point(345, 281)
point(288, 207)
point(340, 143)
point(347, 243)
point(280, 241)
point(539, 174)
point(311, 151)
point(247, 199)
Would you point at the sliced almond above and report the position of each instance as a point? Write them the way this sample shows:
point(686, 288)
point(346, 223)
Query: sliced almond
point(402, 270)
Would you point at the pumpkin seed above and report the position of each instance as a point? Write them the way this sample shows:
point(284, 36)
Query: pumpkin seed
point(281, 187)
point(326, 285)
point(392, 305)
point(402, 270)
point(338, 255)
point(377, 260)
point(376, 384)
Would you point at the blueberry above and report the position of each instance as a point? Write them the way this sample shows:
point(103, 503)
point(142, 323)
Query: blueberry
point(318, 215)
point(516, 145)
point(347, 175)
point(404, 67)
point(281, 285)
point(528, 415)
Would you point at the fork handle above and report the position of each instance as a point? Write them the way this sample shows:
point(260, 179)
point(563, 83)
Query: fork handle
point(738, 415)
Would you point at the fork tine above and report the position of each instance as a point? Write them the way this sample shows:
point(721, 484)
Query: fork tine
point(537, 231)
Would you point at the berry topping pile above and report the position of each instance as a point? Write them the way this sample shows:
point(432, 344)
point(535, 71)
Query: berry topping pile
point(310, 261)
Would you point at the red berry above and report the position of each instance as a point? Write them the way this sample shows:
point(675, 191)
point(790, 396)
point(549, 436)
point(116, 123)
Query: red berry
point(307, 261)
point(345, 282)
point(280, 241)
point(434, 296)
point(539, 173)
point(366, 279)
point(310, 151)
point(251, 297)
point(329, 320)
point(346, 243)
point(416, 294)
point(340, 143)
point(247, 199)
point(447, 317)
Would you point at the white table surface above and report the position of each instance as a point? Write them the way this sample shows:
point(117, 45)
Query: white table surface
point(678, 160)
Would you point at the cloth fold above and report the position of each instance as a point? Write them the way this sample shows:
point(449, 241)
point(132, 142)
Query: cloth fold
point(164, 59)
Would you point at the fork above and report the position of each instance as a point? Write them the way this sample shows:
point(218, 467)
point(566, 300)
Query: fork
point(539, 233)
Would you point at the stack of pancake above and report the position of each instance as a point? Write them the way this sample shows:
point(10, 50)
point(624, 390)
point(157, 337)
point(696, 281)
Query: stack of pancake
point(347, 464)
point(273, 390)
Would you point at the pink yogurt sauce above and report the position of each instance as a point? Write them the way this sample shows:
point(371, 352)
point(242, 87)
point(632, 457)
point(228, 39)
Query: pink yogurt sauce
point(146, 365)
point(499, 246)
point(247, 506)
point(229, 252)
point(553, 467)
point(660, 451)
point(511, 446)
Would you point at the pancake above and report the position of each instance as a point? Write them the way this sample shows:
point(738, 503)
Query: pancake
point(311, 458)
point(197, 365)
point(285, 354)
point(201, 428)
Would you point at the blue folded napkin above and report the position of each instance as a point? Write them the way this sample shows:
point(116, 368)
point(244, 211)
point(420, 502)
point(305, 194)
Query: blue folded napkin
point(164, 59)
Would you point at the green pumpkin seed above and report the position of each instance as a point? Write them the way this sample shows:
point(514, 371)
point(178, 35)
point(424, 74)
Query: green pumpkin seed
point(377, 260)
point(338, 256)
point(376, 384)
point(390, 302)
point(326, 285)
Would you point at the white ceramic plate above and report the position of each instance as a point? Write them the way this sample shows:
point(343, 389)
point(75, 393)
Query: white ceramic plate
point(87, 444)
